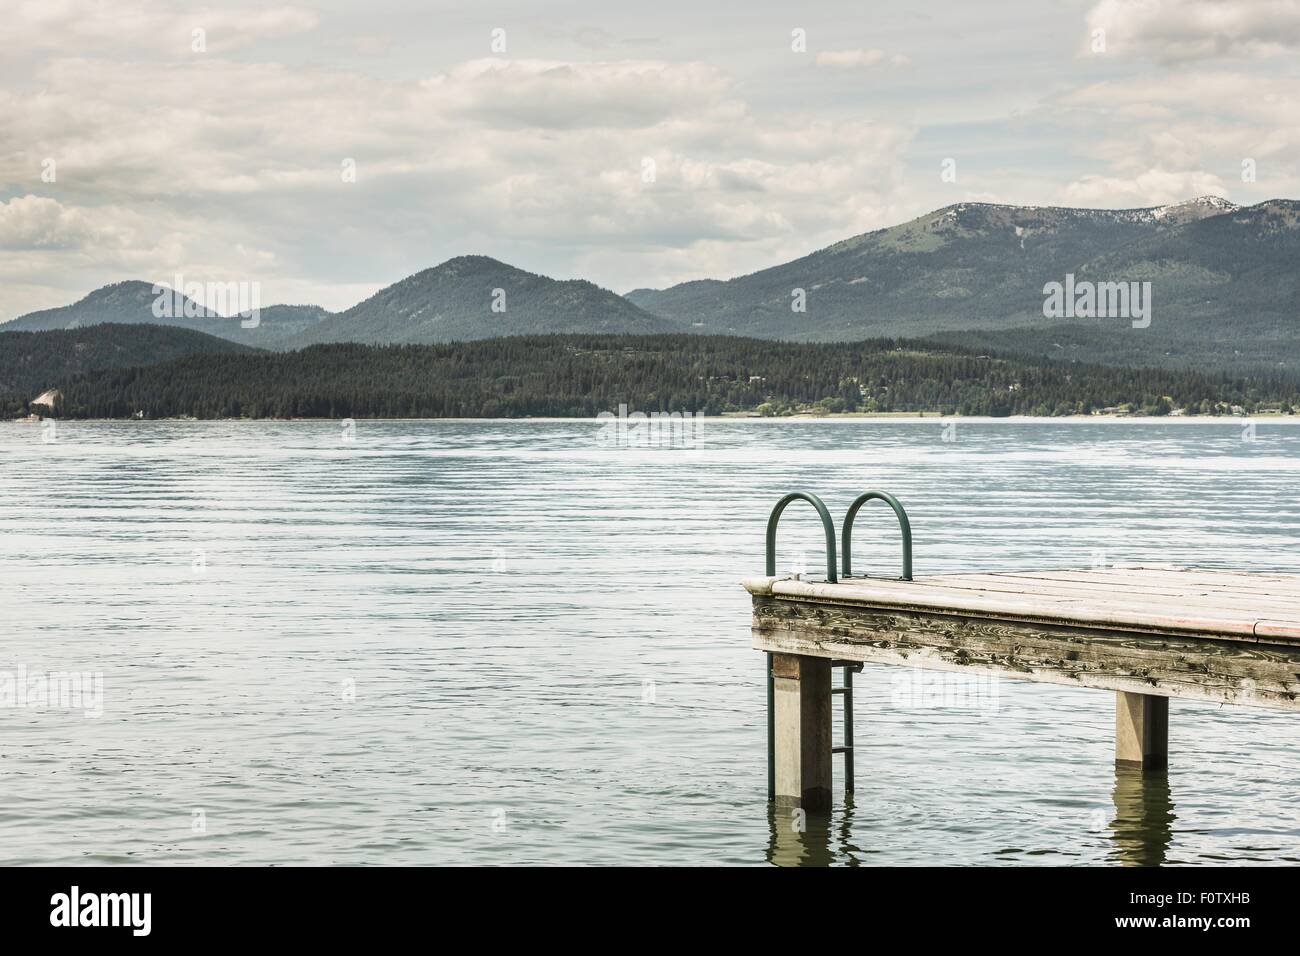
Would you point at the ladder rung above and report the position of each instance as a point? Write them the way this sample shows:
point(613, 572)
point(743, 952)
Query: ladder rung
point(841, 750)
point(841, 690)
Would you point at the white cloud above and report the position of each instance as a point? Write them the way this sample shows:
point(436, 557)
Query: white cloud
point(37, 222)
point(1178, 135)
point(78, 26)
point(857, 59)
point(570, 95)
point(371, 45)
point(1152, 187)
point(1179, 30)
point(1266, 100)
point(48, 244)
point(495, 156)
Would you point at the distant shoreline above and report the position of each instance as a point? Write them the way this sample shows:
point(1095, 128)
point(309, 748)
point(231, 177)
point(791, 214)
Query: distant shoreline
point(838, 417)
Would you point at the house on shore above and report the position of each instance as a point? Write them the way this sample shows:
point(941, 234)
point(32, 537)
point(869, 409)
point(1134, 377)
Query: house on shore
point(43, 404)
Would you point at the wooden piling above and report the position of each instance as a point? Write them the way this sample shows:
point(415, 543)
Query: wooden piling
point(1141, 731)
point(802, 706)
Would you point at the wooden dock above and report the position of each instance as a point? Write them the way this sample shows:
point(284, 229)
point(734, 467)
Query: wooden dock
point(1145, 633)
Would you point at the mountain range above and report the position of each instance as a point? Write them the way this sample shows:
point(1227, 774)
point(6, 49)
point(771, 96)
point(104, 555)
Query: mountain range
point(1226, 293)
point(1224, 287)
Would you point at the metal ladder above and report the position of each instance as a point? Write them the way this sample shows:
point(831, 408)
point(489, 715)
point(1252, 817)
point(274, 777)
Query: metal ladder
point(845, 690)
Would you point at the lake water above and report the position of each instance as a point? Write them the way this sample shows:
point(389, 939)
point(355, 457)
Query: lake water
point(501, 642)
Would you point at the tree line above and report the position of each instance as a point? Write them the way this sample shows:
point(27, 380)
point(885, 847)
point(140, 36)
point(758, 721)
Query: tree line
point(583, 375)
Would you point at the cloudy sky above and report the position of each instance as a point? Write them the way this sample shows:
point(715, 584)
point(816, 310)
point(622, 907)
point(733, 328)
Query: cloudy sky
point(328, 149)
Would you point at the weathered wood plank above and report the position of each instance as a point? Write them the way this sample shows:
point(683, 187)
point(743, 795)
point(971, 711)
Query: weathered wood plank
point(1125, 611)
point(1075, 584)
point(1210, 587)
point(1277, 630)
point(1279, 600)
point(1125, 589)
point(1167, 665)
point(1082, 595)
point(1121, 582)
point(1255, 580)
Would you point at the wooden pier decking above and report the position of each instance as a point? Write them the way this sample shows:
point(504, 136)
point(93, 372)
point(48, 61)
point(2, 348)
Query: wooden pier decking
point(1146, 633)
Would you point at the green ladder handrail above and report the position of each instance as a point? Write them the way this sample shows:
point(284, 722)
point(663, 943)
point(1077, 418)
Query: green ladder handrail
point(904, 525)
point(827, 525)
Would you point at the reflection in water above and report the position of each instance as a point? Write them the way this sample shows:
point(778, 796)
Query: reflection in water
point(799, 838)
point(1141, 830)
point(1144, 813)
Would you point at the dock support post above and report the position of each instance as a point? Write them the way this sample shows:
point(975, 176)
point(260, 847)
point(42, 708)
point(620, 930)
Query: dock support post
point(1141, 731)
point(802, 733)
point(771, 729)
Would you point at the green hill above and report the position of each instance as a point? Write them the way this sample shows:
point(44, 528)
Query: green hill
point(454, 301)
point(31, 362)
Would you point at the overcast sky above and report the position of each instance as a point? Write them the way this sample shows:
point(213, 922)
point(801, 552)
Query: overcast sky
point(230, 162)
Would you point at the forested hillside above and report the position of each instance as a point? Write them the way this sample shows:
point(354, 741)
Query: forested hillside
point(31, 362)
point(583, 375)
